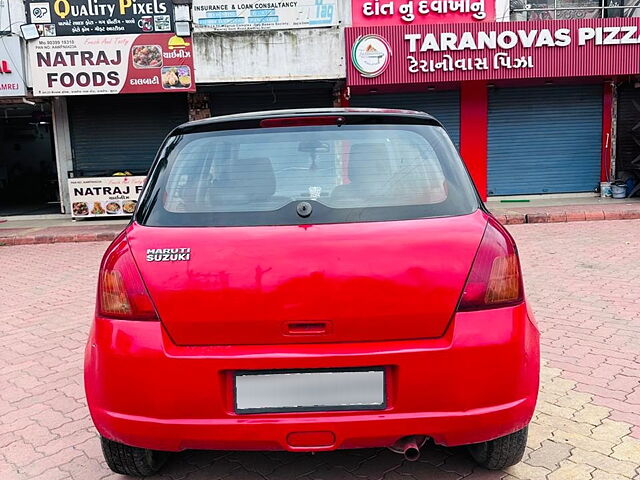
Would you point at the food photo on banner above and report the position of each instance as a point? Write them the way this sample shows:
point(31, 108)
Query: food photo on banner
point(230, 15)
point(110, 64)
point(59, 18)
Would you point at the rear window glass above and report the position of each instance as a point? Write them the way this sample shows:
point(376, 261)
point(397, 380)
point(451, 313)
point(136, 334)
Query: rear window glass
point(344, 174)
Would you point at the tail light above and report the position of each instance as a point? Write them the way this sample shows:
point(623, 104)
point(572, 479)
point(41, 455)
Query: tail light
point(495, 279)
point(121, 291)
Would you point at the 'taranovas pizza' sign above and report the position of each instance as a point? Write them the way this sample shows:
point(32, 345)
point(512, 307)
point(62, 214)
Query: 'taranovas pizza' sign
point(111, 64)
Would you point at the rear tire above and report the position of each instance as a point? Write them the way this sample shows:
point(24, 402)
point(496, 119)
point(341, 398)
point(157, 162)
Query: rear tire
point(502, 452)
point(126, 460)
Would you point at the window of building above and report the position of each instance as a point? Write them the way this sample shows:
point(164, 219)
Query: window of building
point(567, 9)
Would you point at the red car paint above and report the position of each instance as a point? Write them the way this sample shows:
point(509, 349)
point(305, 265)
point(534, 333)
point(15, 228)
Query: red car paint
point(271, 279)
point(476, 382)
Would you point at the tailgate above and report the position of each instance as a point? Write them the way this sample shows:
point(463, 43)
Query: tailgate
point(309, 284)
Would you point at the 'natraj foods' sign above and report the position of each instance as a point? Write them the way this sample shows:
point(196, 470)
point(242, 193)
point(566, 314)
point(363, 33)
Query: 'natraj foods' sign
point(493, 51)
point(104, 196)
point(418, 12)
point(100, 17)
point(111, 64)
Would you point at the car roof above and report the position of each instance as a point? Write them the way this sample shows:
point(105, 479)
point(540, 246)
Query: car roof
point(306, 112)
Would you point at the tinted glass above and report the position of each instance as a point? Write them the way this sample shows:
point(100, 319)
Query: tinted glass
point(348, 173)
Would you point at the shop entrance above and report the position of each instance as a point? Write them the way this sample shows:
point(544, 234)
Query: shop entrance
point(544, 139)
point(628, 136)
point(28, 175)
point(229, 99)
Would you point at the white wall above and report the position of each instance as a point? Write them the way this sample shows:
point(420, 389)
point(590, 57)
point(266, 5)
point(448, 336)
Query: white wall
point(297, 54)
point(17, 14)
point(300, 54)
point(502, 10)
point(18, 17)
point(62, 148)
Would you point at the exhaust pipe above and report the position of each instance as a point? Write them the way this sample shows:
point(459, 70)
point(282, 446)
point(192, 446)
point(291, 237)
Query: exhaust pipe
point(409, 447)
point(411, 450)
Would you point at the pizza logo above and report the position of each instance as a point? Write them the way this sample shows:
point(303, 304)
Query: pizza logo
point(370, 55)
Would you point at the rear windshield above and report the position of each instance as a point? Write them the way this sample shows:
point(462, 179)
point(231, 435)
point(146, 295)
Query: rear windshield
point(302, 175)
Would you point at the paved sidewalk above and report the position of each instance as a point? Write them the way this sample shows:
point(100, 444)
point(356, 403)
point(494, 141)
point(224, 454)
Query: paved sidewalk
point(583, 281)
point(58, 229)
point(62, 229)
point(565, 209)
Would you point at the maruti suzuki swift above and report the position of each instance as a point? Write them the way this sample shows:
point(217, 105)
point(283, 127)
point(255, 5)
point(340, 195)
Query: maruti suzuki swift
point(311, 280)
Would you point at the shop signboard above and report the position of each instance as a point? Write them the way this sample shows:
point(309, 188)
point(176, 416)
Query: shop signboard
point(493, 51)
point(104, 196)
point(11, 67)
point(420, 12)
point(110, 64)
point(92, 17)
point(232, 15)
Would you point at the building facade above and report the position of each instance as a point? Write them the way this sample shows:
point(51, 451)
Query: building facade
point(540, 98)
point(531, 104)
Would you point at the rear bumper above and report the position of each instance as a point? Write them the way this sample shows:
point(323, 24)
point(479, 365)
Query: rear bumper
point(478, 382)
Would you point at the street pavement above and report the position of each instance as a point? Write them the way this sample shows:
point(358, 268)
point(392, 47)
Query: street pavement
point(583, 280)
point(63, 229)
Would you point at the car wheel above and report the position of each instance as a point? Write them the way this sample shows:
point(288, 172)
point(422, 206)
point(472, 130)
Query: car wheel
point(501, 452)
point(126, 460)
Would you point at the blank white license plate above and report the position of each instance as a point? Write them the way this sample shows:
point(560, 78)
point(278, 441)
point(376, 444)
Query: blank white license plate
point(296, 391)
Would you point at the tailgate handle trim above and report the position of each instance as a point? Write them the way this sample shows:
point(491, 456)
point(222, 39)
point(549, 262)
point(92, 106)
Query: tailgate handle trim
point(307, 328)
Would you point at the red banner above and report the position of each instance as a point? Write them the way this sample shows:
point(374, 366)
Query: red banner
point(108, 64)
point(492, 51)
point(420, 12)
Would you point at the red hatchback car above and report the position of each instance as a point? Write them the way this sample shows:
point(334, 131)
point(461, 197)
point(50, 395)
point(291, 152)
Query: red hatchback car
point(310, 280)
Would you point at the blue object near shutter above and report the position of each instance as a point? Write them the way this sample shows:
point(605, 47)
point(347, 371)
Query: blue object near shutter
point(544, 139)
point(445, 106)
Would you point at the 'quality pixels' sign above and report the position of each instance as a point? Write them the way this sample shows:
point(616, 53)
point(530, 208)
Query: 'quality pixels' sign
point(110, 64)
point(99, 17)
